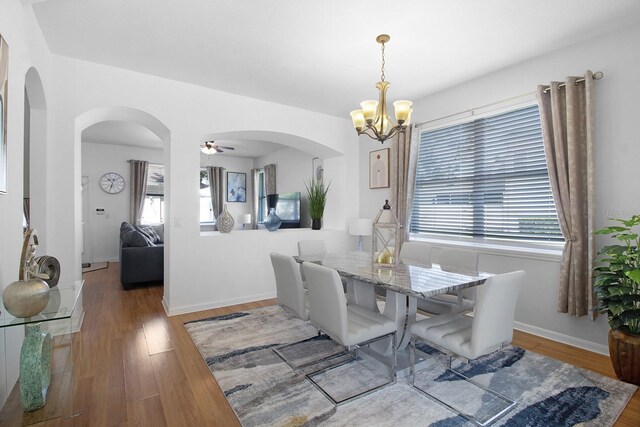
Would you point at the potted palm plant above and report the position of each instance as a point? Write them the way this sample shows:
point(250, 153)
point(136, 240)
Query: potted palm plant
point(316, 198)
point(617, 286)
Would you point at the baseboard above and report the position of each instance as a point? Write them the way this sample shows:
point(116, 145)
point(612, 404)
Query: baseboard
point(562, 338)
point(215, 304)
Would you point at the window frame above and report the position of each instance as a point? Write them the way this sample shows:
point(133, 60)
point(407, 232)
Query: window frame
point(150, 196)
point(544, 250)
point(213, 220)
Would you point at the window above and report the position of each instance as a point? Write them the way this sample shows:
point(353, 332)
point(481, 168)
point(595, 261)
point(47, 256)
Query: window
point(153, 210)
point(485, 178)
point(206, 206)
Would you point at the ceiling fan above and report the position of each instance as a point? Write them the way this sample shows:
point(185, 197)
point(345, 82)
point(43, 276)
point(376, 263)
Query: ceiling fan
point(210, 147)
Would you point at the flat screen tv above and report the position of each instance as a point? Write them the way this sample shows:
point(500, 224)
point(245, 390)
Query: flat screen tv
point(288, 209)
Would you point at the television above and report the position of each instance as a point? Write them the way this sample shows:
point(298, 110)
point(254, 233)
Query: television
point(287, 208)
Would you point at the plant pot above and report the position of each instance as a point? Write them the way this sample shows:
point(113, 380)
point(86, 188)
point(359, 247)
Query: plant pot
point(316, 224)
point(624, 350)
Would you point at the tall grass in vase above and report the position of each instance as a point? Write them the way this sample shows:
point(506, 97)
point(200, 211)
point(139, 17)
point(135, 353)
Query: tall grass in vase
point(316, 199)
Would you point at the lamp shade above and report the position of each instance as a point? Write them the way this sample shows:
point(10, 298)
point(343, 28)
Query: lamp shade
point(244, 219)
point(360, 227)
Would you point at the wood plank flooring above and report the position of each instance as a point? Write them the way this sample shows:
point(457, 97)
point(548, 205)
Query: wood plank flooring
point(134, 366)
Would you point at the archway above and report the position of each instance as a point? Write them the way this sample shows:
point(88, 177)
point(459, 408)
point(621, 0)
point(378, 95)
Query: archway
point(123, 116)
point(35, 156)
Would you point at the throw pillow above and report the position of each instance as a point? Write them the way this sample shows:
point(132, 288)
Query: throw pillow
point(125, 226)
point(149, 232)
point(159, 232)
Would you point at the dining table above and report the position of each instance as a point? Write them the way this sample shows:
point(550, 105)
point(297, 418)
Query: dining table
point(402, 285)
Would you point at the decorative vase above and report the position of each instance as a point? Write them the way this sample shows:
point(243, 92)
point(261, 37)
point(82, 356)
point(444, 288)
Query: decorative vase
point(624, 350)
point(225, 221)
point(26, 298)
point(51, 267)
point(35, 368)
point(316, 223)
point(272, 222)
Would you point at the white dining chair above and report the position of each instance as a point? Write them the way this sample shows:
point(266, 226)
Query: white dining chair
point(311, 247)
point(416, 253)
point(290, 291)
point(352, 326)
point(490, 329)
point(458, 261)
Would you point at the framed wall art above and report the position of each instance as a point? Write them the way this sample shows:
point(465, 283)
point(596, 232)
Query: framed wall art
point(4, 88)
point(236, 187)
point(379, 168)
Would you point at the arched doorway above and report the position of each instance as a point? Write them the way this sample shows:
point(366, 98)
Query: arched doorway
point(95, 207)
point(35, 156)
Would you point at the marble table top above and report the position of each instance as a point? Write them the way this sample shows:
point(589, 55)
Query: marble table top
point(413, 280)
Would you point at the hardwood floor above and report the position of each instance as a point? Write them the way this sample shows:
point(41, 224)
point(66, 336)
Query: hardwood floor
point(134, 366)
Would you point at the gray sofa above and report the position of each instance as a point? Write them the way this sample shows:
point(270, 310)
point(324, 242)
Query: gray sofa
point(141, 254)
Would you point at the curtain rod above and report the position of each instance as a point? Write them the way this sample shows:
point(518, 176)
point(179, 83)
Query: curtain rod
point(596, 76)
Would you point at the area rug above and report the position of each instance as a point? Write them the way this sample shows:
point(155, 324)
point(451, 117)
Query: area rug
point(94, 266)
point(265, 391)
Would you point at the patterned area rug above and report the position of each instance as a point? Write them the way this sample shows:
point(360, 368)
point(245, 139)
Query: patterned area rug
point(265, 391)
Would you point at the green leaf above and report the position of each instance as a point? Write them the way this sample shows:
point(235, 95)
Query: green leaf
point(610, 230)
point(626, 236)
point(616, 308)
point(635, 220)
point(633, 275)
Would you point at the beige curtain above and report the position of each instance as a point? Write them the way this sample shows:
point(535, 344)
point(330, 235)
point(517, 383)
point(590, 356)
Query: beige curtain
point(139, 171)
point(270, 179)
point(216, 189)
point(404, 156)
point(566, 113)
point(255, 185)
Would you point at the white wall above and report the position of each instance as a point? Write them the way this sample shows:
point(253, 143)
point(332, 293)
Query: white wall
point(98, 159)
point(232, 164)
point(26, 49)
point(617, 151)
point(188, 112)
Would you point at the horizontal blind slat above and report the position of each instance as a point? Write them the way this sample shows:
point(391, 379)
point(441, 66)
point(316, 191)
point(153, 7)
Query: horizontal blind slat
point(486, 178)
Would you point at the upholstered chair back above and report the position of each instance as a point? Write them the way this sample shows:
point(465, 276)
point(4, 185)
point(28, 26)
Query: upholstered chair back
point(289, 284)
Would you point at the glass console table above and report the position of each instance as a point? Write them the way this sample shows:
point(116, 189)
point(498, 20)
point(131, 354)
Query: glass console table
point(44, 389)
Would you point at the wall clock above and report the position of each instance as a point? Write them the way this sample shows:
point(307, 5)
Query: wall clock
point(112, 182)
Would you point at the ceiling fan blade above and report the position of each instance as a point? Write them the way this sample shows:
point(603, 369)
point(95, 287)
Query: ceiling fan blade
point(226, 148)
point(215, 147)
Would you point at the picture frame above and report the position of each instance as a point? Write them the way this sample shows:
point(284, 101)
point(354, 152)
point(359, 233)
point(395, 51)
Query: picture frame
point(4, 88)
point(379, 168)
point(236, 187)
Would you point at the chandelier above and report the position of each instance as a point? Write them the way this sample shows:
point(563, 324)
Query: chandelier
point(373, 120)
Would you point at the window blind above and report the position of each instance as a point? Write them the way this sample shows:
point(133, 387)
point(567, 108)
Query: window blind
point(155, 180)
point(486, 178)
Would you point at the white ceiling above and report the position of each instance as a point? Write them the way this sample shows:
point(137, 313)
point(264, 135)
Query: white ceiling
point(322, 55)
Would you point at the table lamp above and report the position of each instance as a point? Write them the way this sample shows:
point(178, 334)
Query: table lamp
point(244, 219)
point(360, 227)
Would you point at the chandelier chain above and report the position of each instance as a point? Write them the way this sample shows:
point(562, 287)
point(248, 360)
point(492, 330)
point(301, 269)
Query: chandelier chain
point(382, 68)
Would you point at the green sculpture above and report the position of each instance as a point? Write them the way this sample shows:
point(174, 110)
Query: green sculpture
point(35, 368)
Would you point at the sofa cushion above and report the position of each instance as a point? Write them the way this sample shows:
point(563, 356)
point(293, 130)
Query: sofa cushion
point(135, 238)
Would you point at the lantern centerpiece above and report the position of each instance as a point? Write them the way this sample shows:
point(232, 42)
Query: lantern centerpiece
point(384, 237)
